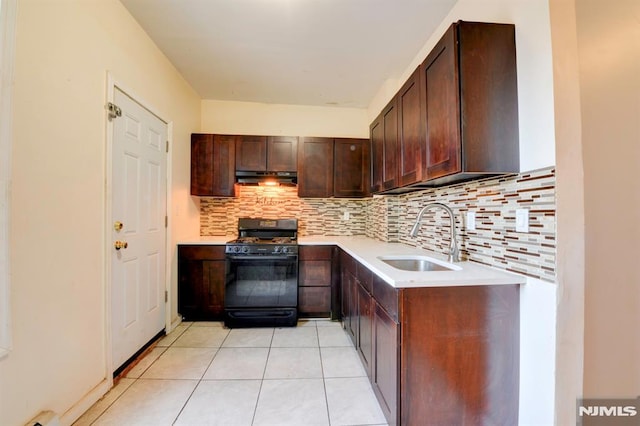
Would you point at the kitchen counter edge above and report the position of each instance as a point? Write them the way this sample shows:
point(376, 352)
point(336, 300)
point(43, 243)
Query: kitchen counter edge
point(367, 250)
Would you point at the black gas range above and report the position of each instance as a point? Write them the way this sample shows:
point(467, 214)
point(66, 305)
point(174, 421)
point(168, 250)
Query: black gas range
point(262, 274)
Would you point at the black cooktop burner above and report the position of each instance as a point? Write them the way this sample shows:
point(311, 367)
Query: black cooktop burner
point(265, 237)
point(257, 240)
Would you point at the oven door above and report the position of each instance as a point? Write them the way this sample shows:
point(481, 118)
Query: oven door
point(261, 290)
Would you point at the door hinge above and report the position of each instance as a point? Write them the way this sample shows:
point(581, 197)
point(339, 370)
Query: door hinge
point(166, 221)
point(114, 110)
point(167, 146)
point(166, 296)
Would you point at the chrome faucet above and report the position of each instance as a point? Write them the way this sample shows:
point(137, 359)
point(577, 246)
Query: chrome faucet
point(453, 248)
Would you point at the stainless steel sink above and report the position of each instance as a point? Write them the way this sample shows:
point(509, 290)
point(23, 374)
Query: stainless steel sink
point(417, 263)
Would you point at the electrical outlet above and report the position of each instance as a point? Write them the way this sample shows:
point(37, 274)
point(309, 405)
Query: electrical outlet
point(471, 221)
point(522, 220)
point(346, 216)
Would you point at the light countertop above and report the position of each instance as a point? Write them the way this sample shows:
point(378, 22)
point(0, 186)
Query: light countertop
point(367, 250)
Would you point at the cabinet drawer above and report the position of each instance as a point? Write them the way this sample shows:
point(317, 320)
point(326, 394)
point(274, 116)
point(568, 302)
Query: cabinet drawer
point(315, 252)
point(386, 296)
point(316, 273)
point(314, 301)
point(201, 252)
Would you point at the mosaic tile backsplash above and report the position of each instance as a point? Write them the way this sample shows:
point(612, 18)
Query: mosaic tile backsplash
point(316, 216)
point(389, 218)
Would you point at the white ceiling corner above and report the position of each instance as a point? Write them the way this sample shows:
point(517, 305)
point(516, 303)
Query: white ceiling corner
point(300, 52)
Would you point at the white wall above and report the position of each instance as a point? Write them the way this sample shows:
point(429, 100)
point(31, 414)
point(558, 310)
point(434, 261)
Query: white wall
point(247, 118)
point(535, 73)
point(64, 49)
point(609, 48)
point(569, 212)
point(537, 352)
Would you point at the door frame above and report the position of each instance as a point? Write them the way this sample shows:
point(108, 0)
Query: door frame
point(112, 84)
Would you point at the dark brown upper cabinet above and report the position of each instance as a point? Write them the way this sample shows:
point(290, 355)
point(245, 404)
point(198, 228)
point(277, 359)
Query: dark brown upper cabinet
point(455, 118)
point(315, 161)
point(213, 165)
point(383, 133)
point(282, 153)
point(333, 167)
point(390, 145)
point(267, 153)
point(251, 153)
point(470, 104)
point(377, 154)
point(410, 131)
point(351, 168)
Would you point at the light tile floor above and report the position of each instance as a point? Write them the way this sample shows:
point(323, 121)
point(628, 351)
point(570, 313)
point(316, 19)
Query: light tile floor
point(204, 374)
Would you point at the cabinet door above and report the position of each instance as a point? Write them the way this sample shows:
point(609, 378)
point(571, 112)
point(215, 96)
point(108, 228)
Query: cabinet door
point(390, 145)
point(365, 328)
point(314, 301)
point(351, 170)
point(377, 154)
point(201, 280)
point(224, 155)
point(282, 153)
point(201, 164)
point(213, 277)
point(488, 97)
point(314, 273)
point(189, 287)
point(410, 129)
point(349, 296)
point(315, 160)
point(201, 289)
point(251, 153)
point(385, 367)
point(442, 108)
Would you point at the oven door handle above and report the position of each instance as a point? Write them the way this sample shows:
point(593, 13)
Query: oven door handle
point(261, 257)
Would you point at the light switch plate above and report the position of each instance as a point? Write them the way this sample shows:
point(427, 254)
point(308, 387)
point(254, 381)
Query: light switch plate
point(471, 221)
point(522, 220)
point(346, 215)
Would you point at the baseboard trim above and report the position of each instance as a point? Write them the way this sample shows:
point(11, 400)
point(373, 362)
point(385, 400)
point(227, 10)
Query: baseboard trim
point(80, 407)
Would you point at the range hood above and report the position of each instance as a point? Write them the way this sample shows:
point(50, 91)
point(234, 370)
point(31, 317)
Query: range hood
point(266, 178)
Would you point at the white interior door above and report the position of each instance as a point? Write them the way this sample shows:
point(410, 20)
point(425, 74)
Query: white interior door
point(139, 179)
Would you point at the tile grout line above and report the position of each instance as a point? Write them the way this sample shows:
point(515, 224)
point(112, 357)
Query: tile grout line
point(324, 382)
point(135, 379)
point(264, 371)
point(199, 381)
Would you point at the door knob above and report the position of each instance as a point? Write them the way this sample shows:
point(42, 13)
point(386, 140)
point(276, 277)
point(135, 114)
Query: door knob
point(117, 226)
point(120, 245)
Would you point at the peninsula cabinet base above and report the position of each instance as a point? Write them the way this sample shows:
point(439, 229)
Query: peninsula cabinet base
point(439, 356)
point(460, 356)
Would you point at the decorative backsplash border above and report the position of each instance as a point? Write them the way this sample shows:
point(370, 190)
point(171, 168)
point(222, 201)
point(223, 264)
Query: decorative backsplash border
point(389, 218)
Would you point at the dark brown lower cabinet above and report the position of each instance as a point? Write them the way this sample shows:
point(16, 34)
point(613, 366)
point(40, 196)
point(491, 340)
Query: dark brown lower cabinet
point(314, 301)
point(460, 354)
point(385, 368)
point(365, 328)
point(437, 355)
point(315, 281)
point(349, 296)
point(201, 279)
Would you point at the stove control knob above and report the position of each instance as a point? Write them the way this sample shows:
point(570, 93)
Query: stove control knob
point(276, 249)
point(236, 249)
point(285, 249)
point(245, 249)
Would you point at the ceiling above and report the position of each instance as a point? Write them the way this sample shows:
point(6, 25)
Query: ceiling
point(300, 52)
